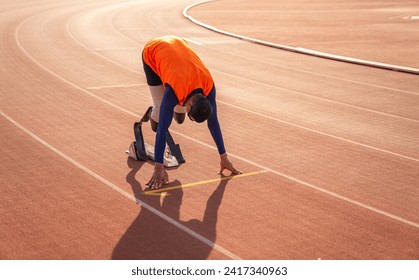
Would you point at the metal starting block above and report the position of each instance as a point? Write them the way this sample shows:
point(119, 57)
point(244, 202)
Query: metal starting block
point(139, 150)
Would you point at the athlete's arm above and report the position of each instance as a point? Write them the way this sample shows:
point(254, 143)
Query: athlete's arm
point(214, 125)
point(169, 101)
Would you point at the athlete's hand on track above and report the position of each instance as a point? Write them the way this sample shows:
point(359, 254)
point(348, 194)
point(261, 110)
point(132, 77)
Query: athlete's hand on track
point(225, 163)
point(159, 178)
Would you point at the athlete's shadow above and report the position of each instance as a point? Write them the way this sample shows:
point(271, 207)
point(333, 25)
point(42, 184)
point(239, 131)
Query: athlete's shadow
point(135, 166)
point(157, 231)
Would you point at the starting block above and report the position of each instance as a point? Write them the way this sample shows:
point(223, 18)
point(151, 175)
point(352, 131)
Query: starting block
point(139, 150)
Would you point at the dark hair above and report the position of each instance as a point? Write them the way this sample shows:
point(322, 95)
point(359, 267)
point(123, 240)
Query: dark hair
point(201, 109)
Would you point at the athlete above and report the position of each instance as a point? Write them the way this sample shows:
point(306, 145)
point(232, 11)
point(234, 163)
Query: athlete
point(179, 83)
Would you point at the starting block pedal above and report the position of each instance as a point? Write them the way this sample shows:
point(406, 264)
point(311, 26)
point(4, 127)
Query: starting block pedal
point(139, 150)
point(169, 160)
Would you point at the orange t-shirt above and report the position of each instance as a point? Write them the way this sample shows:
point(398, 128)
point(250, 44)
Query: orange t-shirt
point(178, 65)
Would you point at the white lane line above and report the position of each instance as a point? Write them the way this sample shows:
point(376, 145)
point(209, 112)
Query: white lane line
point(192, 41)
point(321, 133)
point(116, 49)
point(356, 107)
point(122, 192)
point(309, 185)
point(116, 86)
point(317, 73)
point(61, 78)
point(95, 52)
point(303, 183)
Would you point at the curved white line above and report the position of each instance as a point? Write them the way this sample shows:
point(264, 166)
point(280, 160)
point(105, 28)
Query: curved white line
point(374, 64)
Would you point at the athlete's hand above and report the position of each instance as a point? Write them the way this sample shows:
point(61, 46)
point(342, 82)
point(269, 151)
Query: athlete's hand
point(225, 163)
point(159, 178)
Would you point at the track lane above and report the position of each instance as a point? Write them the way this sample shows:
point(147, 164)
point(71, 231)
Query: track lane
point(199, 195)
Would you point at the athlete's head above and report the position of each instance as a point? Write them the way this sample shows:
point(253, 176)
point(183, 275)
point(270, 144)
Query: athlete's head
point(200, 108)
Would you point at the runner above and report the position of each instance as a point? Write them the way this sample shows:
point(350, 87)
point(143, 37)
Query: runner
point(179, 83)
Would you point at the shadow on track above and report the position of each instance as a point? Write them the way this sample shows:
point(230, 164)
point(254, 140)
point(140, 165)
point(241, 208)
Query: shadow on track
point(151, 238)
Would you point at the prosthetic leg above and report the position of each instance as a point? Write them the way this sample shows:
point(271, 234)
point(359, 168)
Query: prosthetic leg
point(139, 150)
